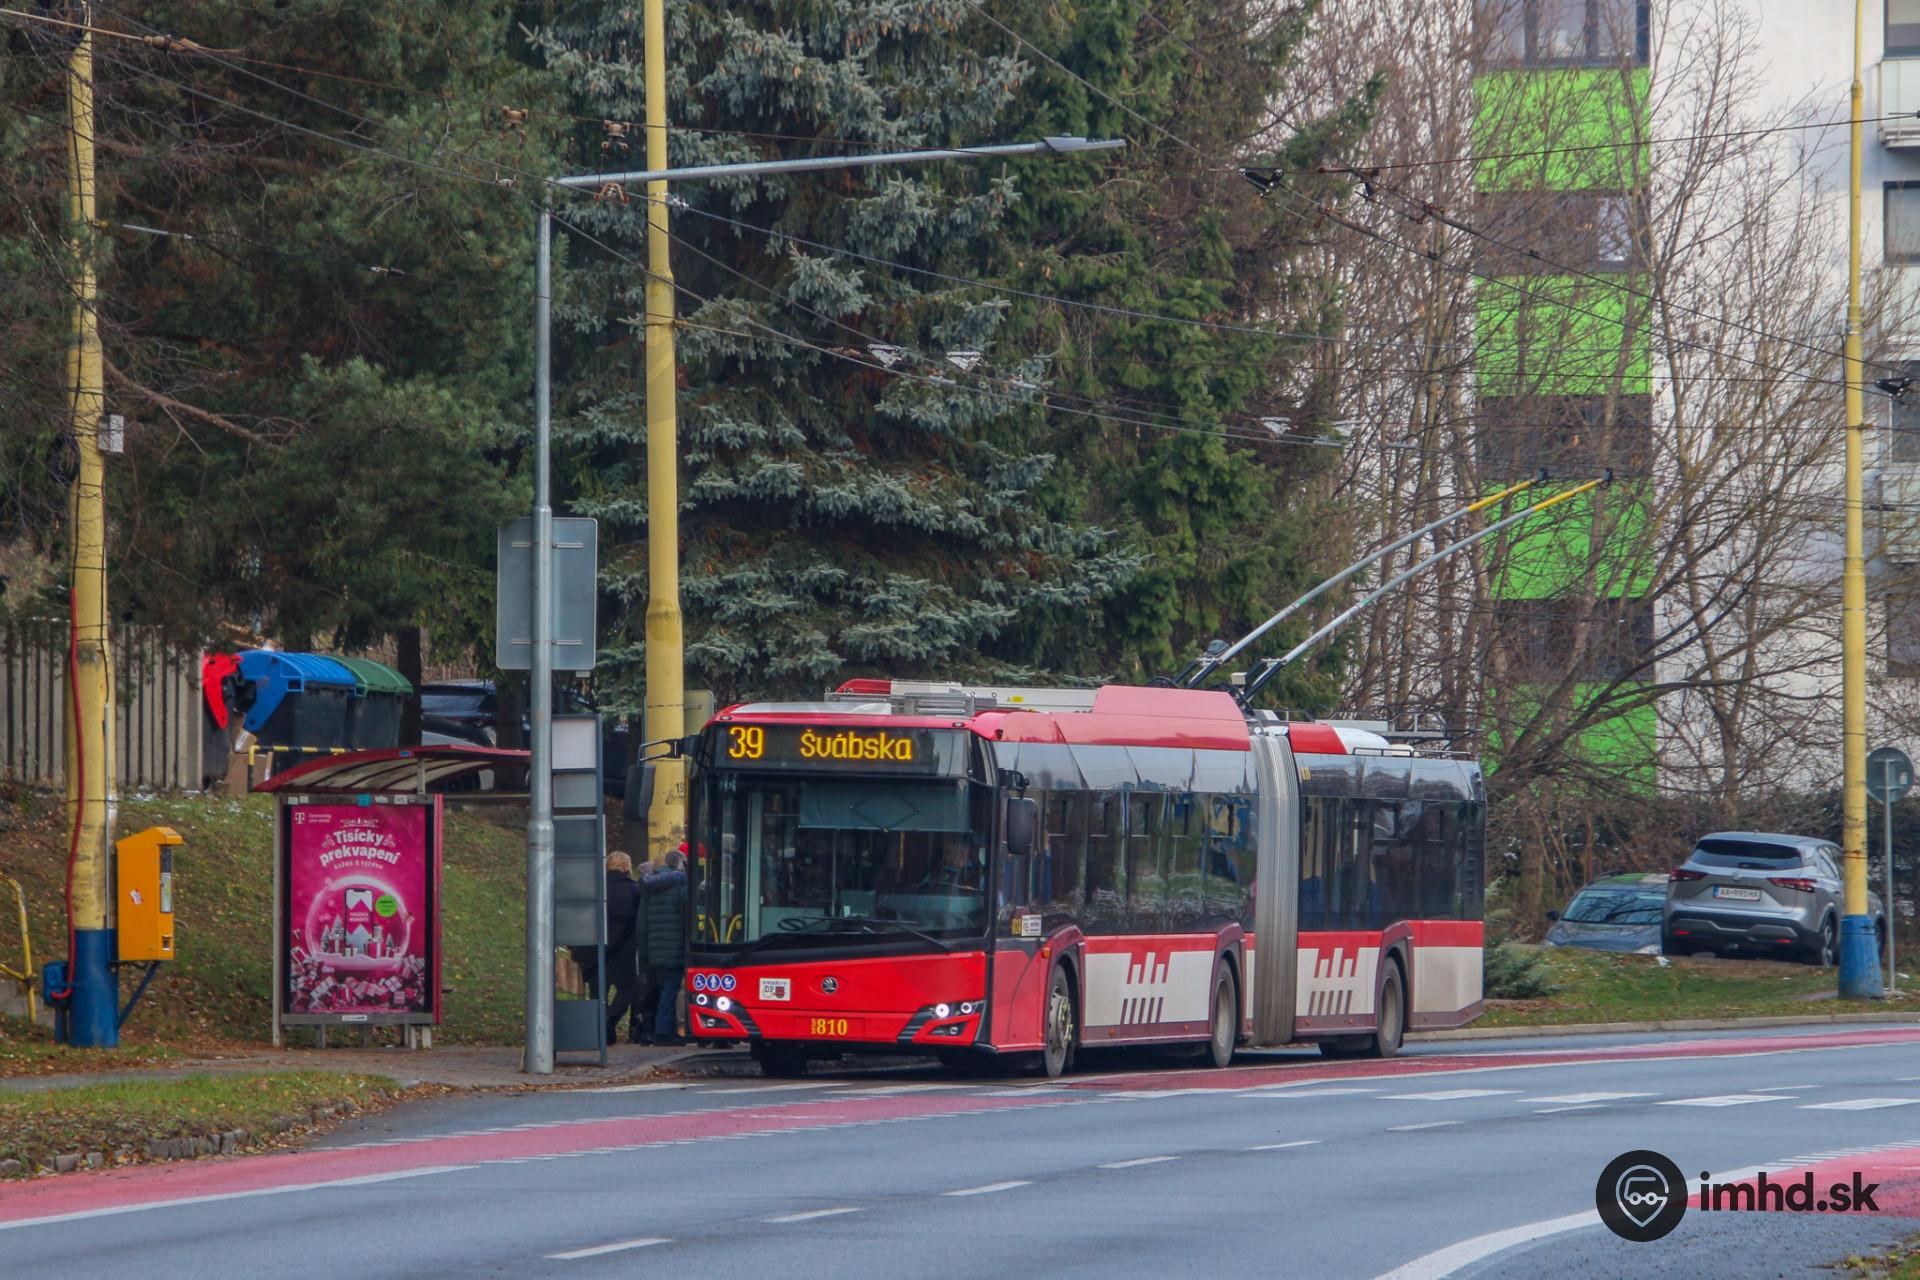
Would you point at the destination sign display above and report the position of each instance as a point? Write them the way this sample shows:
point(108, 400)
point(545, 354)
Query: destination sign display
point(839, 748)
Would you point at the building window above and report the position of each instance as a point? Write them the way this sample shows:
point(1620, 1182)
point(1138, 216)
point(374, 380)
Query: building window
point(1903, 421)
point(1903, 632)
point(1568, 435)
point(1903, 28)
point(1557, 232)
point(1548, 640)
point(1546, 33)
point(1902, 230)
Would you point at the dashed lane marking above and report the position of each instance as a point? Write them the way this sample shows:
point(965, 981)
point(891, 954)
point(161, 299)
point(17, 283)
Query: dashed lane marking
point(1308, 1093)
point(1283, 1146)
point(1859, 1104)
point(990, 1188)
point(1584, 1106)
point(1723, 1100)
point(1570, 1099)
point(1447, 1095)
point(1431, 1124)
point(809, 1215)
point(1136, 1162)
point(598, 1249)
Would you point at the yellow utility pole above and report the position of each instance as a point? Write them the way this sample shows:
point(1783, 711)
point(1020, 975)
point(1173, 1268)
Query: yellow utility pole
point(93, 1000)
point(666, 674)
point(1859, 952)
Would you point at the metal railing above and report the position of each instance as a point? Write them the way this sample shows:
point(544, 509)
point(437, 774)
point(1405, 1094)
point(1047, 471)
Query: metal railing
point(24, 974)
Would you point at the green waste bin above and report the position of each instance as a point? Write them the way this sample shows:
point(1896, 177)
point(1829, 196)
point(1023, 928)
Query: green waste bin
point(379, 698)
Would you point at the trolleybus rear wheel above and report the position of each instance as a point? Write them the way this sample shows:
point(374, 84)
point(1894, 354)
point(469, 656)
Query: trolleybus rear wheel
point(1392, 1024)
point(1226, 1021)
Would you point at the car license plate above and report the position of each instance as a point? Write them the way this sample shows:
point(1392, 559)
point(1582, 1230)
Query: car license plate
point(1737, 895)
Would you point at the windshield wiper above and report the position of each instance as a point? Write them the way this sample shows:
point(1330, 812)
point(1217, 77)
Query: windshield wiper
point(813, 924)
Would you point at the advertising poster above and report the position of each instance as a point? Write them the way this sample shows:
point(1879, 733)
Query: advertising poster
point(360, 914)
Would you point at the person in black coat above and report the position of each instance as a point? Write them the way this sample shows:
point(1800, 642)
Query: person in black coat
point(622, 978)
point(665, 911)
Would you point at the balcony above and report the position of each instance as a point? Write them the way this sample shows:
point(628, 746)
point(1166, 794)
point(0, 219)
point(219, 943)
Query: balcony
point(1900, 97)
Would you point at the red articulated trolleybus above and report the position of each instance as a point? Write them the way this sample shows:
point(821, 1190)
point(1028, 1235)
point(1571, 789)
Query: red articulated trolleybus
point(981, 872)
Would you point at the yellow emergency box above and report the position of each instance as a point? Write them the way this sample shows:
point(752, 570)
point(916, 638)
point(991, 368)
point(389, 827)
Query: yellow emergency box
point(144, 869)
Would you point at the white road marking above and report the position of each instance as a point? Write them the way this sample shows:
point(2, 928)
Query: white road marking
point(1570, 1098)
point(1026, 1092)
point(989, 1189)
point(615, 1247)
point(1784, 1088)
point(1138, 1161)
point(1303, 1093)
point(878, 1090)
point(1584, 1106)
point(638, 1088)
point(1431, 1124)
point(1282, 1146)
point(1859, 1104)
point(1722, 1100)
point(810, 1214)
point(360, 1181)
point(1447, 1095)
point(777, 1088)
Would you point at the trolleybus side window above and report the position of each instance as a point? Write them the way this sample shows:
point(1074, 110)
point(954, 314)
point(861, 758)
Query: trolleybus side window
point(1186, 890)
point(1146, 876)
point(1061, 868)
point(1106, 866)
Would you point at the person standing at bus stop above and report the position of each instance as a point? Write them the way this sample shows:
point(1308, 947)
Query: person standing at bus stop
point(665, 911)
point(621, 981)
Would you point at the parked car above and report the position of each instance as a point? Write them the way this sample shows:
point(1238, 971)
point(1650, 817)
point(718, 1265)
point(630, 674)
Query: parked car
point(1756, 890)
point(1620, 912)
point(468, 711)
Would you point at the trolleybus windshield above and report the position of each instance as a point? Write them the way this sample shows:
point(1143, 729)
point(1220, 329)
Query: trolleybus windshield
point(840, 859)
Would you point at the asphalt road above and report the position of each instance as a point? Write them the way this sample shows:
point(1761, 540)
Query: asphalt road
point(1447, 1161)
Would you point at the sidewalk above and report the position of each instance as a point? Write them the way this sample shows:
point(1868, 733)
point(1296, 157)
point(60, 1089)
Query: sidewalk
point(459, 1066)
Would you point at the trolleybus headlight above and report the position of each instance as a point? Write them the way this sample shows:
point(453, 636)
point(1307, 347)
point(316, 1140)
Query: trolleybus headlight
point(723, 1004)
point(701, 998)
point(969, 1006)
point(942, 1011)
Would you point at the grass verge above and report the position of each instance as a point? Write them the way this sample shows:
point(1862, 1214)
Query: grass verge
point(200, 1114)
point(1595, 986)
point(1901, 1262)
point(216, 995)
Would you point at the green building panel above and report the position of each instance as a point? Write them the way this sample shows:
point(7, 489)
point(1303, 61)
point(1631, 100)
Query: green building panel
point(1562, 335)
point(1626, 744)
point(1566, 129)
point(1551, 552)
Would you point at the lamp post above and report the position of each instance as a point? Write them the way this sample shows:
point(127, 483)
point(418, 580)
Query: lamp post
point(665, 647)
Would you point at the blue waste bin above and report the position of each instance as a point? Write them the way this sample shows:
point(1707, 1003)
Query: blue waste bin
point(299, 699)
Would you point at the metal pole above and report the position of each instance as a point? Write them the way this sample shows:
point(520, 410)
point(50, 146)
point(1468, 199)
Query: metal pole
point(658, 172)
point(1859, 955)
point(1886, 849)
point(539, 1049)
point(1209, 663)
point(666, 712)
point(94, 989)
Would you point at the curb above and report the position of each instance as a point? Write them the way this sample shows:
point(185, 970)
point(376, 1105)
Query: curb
point(1662, 1024)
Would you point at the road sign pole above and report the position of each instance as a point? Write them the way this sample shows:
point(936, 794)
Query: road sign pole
point(1886, 846)
point(538, 1058)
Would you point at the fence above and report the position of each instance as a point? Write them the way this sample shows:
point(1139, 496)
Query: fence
point(157, 717)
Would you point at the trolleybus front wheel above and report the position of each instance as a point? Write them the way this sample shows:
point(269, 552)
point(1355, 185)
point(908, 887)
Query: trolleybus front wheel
point(1061, 1027)
point(1225, 1027)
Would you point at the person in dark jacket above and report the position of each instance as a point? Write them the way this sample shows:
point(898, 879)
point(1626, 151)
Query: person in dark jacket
point(622, 979)
point(665, 910)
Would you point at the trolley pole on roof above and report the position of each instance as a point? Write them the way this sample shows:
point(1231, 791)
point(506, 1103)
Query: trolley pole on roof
point(1200, 668)
point(665, 644)
point(1274, 666)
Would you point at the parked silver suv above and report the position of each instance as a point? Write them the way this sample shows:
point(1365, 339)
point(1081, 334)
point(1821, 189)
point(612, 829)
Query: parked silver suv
point(1757, 890)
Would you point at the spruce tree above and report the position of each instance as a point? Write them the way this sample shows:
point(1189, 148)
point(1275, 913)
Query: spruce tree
point(858, 444)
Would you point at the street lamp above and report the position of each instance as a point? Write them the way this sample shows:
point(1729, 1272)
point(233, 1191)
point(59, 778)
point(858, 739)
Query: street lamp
point(665, 697)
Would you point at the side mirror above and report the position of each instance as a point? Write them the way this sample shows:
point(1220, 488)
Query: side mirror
point(1023, 822)
point(1553, 915)
point(639, 797)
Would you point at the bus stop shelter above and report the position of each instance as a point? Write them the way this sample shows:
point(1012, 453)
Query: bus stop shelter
point(356, 885)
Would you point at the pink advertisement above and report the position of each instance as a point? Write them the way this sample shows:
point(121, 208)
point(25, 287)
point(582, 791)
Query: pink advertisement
point(360, 915)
